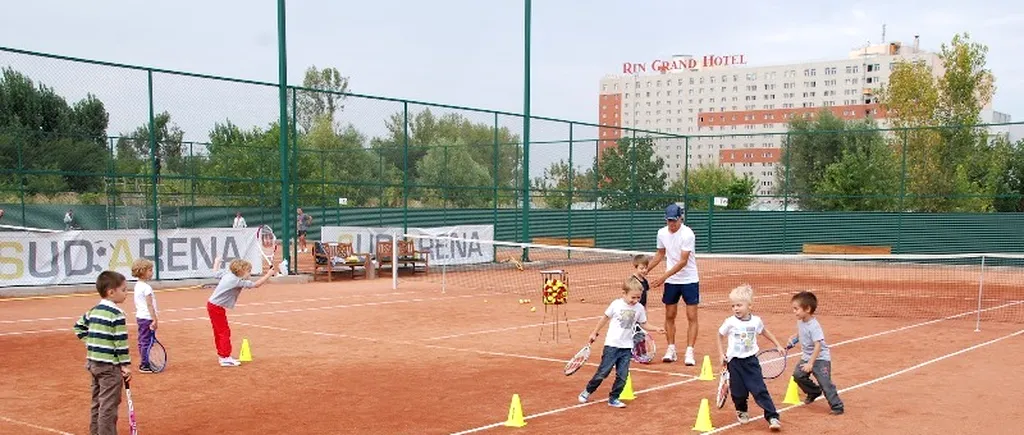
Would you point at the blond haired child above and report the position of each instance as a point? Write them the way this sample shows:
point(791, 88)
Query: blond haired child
point(621, 316)
point(745, 378)
point(224, 298)
point(146, 316)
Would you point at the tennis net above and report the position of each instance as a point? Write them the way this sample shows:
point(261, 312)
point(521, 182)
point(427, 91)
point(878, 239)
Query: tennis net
point(971, 286)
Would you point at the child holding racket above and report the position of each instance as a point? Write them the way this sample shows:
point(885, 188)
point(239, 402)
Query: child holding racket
point(745, 377)
point(145, 310)
point(104, 331)
point(815, 357)
point(621, 316)
point(224, 298)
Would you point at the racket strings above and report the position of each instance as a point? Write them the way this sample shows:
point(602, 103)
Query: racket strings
point(773, 363)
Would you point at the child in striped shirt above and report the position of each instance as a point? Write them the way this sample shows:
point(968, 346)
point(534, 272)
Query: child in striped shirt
point(104, 331)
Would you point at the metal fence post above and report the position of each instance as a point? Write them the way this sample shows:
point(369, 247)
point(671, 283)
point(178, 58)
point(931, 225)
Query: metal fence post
point(154, 178)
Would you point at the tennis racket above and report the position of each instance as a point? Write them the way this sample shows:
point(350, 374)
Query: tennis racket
point(723, 388)
point(157, 355)
point(131, 409)
point(773, 362)
point(578, 360)
point(644, 346)
point(268, 243)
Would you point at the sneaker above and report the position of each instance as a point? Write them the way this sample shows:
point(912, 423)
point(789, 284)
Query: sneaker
point(774, 424)
point(616, 403)
point(742, 417)
point(839, 411)
point(688, 360)
point(145, 369)
point(229, 362)
point(810, 399)
point(670, 355)
point(584, 396)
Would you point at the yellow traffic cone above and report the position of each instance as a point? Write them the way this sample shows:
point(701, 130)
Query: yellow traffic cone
point(245, 355)
point(627, 391)
point(515, 413)
point(707, 373)
point(703, 423)
point(792, 393)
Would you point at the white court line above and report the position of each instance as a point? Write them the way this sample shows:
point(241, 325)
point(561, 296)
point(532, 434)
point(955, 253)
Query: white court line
point(264, 313)
point(852, 340)
point(34, 426)
point(455, 349)
point(888, 376)
point(249, 304)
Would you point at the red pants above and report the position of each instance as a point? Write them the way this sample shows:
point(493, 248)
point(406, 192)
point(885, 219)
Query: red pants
point(221, 330)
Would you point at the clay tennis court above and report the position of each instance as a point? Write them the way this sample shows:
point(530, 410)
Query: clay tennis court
point(356, 356)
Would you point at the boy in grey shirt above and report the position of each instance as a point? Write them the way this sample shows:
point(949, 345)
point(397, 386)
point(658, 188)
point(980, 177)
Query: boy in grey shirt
point(815, 357)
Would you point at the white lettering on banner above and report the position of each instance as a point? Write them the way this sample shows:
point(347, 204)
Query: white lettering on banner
point(76, 257)
point(473, 250)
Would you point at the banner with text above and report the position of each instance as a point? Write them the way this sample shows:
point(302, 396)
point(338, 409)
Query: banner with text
point(77, 257)
point(474, 249)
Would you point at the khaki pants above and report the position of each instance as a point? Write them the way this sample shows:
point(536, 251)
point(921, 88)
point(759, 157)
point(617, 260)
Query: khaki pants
point(106, 397)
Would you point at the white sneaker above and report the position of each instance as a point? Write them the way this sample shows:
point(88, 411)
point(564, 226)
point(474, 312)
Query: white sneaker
point(688, 359)
point(583, 396)
point(670, 355)
point(229, 362)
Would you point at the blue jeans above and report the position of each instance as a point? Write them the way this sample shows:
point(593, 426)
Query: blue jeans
point(612, 356)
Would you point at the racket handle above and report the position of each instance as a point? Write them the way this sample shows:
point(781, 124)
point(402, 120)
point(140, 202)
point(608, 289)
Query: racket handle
point(127, 384)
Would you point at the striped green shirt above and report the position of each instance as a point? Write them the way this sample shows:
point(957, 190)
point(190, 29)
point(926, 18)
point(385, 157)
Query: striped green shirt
point(104, 330)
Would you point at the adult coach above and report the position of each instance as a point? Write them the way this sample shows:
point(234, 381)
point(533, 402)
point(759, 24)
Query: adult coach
point(676, 245)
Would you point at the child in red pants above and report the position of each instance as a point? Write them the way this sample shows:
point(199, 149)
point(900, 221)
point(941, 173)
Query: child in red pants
point(223, 298)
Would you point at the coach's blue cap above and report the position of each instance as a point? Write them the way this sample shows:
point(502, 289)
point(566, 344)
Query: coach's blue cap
point(673, 212)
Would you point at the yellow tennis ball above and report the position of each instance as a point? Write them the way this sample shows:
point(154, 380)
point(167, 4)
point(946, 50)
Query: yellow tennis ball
point(532, 309)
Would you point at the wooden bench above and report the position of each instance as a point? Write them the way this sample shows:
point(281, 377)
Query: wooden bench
point(561, 241)
point(814, 248)
point(335, 257)
point(407, 256)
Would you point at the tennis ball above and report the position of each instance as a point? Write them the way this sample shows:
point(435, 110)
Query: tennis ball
point(532, 309)
point(520, 301)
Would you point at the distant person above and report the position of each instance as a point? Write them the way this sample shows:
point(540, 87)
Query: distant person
point(302, 222)
point(69, 219)
point(239, 221)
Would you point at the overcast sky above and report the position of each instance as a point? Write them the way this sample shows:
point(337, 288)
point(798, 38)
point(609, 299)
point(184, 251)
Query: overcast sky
point(462, 52)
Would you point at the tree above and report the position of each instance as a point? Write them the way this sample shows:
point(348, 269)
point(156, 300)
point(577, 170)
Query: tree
point(631, 176)
point(866, 177)
point(339, 158)
point(812, 145)
point(312, 104)
point(40, 131)
point(170, 149)
point(557, 190)
point(450, 176)
point(708, 181)
point(1010, 186)
point(952, 165)
point(427, 130)
point(838, 165)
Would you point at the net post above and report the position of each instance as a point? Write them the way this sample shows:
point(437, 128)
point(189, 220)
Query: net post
point(394, 262)
point(981, 287)
point(444, 286)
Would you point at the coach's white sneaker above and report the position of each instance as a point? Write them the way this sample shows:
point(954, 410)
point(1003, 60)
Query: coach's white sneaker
point(670, 355)
point(688, 359)
point(229, 362)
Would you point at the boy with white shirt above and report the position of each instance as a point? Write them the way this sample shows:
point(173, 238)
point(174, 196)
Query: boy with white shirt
point(745, 377)
point(676, 244)
point(622, 315)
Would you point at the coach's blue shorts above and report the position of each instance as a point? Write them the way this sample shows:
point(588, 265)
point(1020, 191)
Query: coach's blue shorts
point(689, 292)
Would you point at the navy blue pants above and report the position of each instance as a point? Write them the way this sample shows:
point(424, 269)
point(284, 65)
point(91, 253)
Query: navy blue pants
point(745, 377)
point(612, 356)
